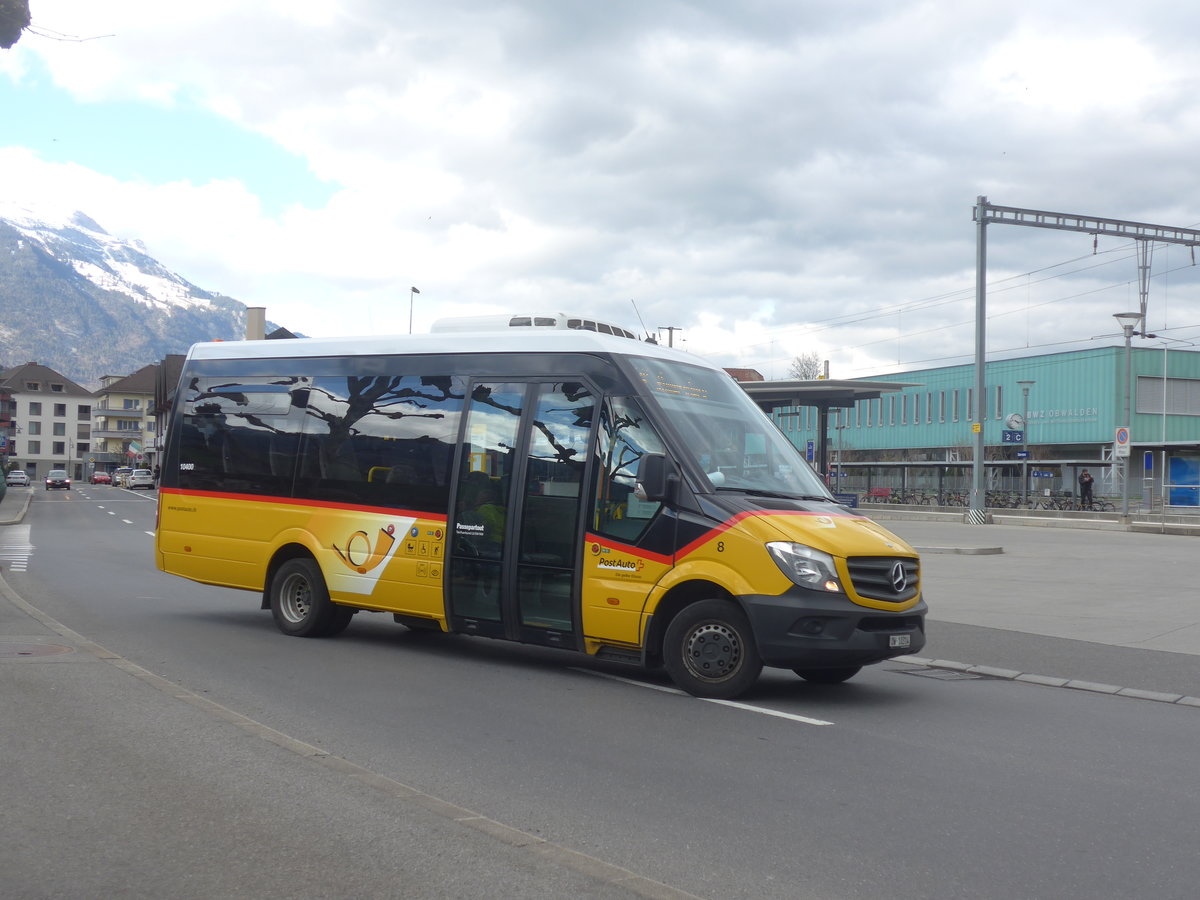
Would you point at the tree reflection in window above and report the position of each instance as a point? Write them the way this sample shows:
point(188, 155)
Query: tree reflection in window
point(625, 437)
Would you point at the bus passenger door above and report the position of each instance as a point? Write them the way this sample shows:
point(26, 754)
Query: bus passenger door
point(516, 527)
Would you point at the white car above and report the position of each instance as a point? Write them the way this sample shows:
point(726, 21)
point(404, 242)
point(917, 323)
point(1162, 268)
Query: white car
point(17, 478)
point(140, 478)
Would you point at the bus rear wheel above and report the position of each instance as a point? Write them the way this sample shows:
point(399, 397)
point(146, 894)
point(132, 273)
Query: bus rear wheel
point(709, 650)
point(828, 676)
point(300, 601)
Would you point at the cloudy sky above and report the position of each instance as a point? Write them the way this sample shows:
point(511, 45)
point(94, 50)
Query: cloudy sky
point(771, 177)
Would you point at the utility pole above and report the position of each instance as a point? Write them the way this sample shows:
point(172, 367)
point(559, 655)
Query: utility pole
point(670, 330)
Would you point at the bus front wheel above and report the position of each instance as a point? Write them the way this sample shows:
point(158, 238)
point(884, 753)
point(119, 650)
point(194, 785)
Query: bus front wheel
point(709, 650)
point(300, 601)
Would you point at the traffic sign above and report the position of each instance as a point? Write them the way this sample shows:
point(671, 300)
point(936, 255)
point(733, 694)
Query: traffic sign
point(1121, 441)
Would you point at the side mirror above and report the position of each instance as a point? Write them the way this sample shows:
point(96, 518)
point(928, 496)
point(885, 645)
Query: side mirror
point(653, 478)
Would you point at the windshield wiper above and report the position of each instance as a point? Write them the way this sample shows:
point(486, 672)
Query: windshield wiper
point(758, 492)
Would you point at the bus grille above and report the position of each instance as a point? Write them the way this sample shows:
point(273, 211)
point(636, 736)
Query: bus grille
point(893, 579)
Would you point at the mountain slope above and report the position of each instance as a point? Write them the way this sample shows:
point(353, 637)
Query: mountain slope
point(76, 299)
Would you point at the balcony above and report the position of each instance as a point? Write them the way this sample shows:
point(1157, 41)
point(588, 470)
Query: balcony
point(100, 433)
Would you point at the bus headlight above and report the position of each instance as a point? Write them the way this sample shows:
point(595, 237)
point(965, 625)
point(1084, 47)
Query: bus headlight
point(805, 566)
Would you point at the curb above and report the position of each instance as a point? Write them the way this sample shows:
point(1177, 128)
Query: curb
point(6, 509)
point(965, 551)
point(1051, 681)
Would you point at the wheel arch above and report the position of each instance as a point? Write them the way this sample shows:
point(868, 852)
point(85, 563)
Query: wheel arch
point(674, 601)
point(291, 550)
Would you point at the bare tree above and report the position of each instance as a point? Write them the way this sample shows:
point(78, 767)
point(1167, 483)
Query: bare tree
point(805, 367)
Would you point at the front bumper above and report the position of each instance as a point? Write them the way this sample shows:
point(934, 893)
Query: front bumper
point(810, 629)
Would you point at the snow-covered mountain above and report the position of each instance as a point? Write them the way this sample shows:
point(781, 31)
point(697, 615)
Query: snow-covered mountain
point(76, 299)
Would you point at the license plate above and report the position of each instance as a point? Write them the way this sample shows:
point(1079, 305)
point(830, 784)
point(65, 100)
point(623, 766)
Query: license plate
point(899, 640)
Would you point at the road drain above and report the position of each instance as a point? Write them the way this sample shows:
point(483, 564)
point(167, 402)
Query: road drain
point(15, 651)
point(941, 674)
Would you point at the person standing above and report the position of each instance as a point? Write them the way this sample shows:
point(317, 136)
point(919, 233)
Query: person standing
point(1085, 489)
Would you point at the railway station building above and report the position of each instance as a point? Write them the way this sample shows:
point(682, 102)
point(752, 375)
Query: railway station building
point(1047, 418)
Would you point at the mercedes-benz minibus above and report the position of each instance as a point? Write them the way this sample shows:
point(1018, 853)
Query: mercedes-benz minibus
point(558, 487)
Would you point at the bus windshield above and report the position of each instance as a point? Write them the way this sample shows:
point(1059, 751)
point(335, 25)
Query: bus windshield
point(736, 445)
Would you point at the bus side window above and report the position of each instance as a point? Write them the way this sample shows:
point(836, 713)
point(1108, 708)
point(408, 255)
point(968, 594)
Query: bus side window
point(625, 436)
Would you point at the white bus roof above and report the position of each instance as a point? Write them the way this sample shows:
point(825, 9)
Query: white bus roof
point(532, 320)
point(519, 340)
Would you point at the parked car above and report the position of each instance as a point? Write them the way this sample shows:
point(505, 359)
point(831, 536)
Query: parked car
point(17, 478)
point(140, 478)
point(120, 475)
point(58, 479)
point(101, 478)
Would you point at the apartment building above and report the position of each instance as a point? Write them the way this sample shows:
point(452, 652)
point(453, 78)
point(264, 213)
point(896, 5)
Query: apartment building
point(45, 422)
point(123, 424)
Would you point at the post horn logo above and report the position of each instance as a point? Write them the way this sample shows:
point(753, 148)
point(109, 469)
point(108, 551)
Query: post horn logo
point(360, 556)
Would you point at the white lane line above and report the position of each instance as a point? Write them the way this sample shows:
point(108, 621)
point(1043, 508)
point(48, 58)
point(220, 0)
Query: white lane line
point(15, 548)
point(127, 521)
point(748, 707)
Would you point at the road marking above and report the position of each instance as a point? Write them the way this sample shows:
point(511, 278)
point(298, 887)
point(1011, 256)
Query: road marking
point(127, 521)
point(748, 707)
point(15, 548)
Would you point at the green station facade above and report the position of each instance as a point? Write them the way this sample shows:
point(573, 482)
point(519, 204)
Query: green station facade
point(1046, 418)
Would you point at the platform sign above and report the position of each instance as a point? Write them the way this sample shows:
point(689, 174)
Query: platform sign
point(1022, 454)
point(1121, 442)
point(809, 452)
point(1008, 436)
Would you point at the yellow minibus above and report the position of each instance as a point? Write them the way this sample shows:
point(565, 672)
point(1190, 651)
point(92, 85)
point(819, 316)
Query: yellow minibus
point(559, 487)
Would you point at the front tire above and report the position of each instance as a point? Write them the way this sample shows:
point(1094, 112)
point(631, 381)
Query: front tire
point(709, 650)
point(828, 676)
point(300, 601)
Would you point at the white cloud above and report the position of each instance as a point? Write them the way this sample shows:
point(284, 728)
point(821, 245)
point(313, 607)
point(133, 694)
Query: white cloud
point(772, 177)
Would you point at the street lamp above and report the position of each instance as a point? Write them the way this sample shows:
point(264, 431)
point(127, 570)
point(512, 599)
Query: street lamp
point(1128, 322)
point(411, 292)
point(1025, 386)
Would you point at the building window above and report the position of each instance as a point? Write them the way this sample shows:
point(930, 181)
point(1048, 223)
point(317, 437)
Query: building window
point(33, 385)
point(35, 408)
point(954, 405)
point(35, 447)
point(85, 414)
point(60, 429)
point(999, 404)
point(879, 412)
point(929, 407)
point(34, 427)
point(56, 388)
point(970, 404)
point(60, 447)
point(60, 410)
point(904, 409)
point(131, 404)
point(892, 410)
point(941, 406)
point(1181, 396)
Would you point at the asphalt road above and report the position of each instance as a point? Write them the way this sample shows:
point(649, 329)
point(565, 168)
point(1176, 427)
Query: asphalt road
point(201, 753)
